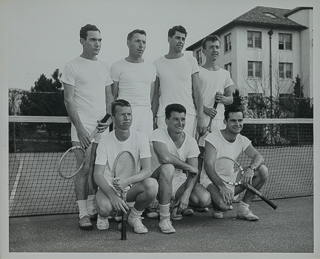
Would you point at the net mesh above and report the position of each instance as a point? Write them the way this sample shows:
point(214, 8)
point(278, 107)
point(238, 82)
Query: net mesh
point(35, 187)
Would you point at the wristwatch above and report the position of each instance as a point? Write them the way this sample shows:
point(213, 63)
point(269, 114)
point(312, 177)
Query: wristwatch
point(252, 167)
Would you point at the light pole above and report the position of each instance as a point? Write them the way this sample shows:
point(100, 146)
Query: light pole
point(270, 70)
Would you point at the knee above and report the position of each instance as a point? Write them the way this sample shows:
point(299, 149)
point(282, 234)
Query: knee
point(263, 172)
point(205, 200)
point(151, 186)
point(166, 171)
point(104, 207)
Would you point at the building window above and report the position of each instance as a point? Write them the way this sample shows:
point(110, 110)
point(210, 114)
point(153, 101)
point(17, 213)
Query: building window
point(199, 57)
point(285, 41)
point(255, 69)
point(254, 39)
point(270, 15)
point(229, 68)
point(285, 70)
point(227, 42)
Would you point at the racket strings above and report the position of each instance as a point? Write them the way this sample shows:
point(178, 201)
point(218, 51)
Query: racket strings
point(224, 166)
point(124, 165)
point(228, 171)
point(72, 162)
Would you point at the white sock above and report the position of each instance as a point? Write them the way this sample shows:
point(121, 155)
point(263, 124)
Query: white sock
point(102, 217)
point(164, 211)
point(91, 204)
point(243, 205)
point(135, 213)
point(82, 205)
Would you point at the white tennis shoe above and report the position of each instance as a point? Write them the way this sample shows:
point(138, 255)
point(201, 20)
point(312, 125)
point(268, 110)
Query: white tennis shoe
point(137, 225)
point(166, 226)
point(102, 223)
point(245, 213)
point(217, 214)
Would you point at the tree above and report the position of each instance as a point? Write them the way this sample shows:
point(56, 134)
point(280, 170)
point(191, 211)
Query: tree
point(292, 105)
point(303, 106)
point(45, 98)
point(14, 101)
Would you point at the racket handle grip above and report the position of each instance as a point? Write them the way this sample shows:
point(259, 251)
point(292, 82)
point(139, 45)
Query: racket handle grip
point(105, 118)
point(270, 203)
point(215, 105)
point(124, 226)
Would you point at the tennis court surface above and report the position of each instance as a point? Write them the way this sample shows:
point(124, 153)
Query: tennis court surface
point(43, 212)
point(289, 229)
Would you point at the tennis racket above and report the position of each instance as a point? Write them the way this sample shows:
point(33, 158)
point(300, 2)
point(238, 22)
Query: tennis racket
point(73, 160)
point(215, 105)
point(123, 167)
point(225, 165)
point(201, 143)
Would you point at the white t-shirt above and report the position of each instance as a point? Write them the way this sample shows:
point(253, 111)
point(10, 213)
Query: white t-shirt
point(109, 147)
point(89, 79)
point(176, 82)
point(228, 149)
point(189, 148)
point(212, 82)
point(134, 81)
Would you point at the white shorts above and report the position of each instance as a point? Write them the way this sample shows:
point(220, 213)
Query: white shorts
point(90, 127)
point(142, 119)
point(205, 181)
point(189, 128)
point(178, 180)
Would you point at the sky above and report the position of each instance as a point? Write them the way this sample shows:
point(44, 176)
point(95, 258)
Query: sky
point(44, 35)
point(39, 36)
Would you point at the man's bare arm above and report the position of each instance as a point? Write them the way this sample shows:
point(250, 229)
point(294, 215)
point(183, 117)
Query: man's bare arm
point(83, 135)
point(165, 157)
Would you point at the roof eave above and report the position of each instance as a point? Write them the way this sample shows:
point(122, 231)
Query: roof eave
point(243, 23)
point(297, 10)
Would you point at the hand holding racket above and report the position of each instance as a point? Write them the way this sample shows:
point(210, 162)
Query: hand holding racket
point(225, 165)
point(73, 160)
point(123, 167)
point(215, 105)
point(208, 129)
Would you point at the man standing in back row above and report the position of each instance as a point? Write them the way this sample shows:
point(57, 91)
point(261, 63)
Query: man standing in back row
point(178, 82)
point(134, 81)
point(215, 84)
point(87, 96)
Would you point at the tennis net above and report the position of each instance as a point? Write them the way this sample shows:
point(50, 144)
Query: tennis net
point(37, 143)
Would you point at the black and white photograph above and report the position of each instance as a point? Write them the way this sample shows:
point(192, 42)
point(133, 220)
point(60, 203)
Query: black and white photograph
point(165, 128)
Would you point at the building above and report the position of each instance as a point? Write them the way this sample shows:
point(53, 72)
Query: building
point(267, 39)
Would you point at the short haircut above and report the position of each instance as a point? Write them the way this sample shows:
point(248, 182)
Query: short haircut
point(130, 35)
point(177, 28)
point(212, 38)
point(231, 109)
point(119, 102)
point(84, 30)
point(174, 107)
